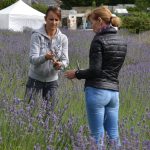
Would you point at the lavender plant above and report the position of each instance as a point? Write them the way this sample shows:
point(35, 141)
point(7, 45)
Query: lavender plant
point(37, 126)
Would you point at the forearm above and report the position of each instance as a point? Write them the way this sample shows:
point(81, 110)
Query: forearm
point(37, 60)
point(34, 57)
point(88, 73)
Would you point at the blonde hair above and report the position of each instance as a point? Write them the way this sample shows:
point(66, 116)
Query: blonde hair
point(105, 14)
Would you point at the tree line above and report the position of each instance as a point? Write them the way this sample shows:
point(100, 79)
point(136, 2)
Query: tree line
point(72, 3)
point(68, 4)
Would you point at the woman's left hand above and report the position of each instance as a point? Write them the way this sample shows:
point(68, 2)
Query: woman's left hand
point(70, 74)
point(57, 65)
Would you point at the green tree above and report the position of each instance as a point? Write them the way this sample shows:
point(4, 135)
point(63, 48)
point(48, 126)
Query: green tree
point(6, 3)
point(40, 7)
point(138, 21)
point(131, 1)
point(94, 3)
point(126, 1)
point(142, 4)
point(113, 2)
point(71, 3)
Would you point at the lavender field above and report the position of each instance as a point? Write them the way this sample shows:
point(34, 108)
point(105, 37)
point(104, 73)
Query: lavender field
point(29, 126)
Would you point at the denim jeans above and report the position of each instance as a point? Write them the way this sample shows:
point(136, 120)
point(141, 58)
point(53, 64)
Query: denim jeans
point(102, 112)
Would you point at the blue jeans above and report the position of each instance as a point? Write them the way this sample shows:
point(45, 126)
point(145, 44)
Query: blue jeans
point(102, 112)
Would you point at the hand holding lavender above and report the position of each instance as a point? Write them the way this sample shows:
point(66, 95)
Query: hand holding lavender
point(56, 63)
point(50, 56)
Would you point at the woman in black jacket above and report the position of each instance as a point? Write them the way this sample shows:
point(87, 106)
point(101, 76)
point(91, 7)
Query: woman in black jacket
point(106, 57)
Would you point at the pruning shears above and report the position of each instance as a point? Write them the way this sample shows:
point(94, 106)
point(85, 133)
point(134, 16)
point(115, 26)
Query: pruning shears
point(77, 63)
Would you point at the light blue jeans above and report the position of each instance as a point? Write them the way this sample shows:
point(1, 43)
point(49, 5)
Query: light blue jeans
point(102, 111)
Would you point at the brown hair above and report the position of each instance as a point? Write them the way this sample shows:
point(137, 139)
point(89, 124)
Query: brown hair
point(105, 14)
point(54, 9)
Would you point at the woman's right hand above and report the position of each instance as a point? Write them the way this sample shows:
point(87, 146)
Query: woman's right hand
point(70, 74)
point(49, 56)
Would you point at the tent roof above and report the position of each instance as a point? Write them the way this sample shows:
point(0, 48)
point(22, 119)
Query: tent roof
point(20, 8)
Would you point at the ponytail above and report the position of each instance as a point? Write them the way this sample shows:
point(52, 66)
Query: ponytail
point(105, 14)
point(115, 21)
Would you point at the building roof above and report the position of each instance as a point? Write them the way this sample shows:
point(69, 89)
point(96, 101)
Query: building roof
point(121, 11)
point(46, 2)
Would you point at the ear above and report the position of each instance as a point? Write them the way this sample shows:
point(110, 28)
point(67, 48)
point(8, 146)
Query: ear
point(100, 19)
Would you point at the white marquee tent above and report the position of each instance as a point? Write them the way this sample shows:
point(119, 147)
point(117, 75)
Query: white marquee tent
point(19, 16)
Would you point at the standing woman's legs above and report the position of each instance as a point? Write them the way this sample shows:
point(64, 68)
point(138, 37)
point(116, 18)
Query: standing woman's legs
point(33, 88)
point(111, 120)
point(50, 94)
point(96, 99)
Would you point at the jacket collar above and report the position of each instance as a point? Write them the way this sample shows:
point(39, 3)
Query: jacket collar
point(107, 30)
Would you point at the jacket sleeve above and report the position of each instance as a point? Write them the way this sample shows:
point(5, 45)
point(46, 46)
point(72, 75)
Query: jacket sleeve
point(95, 63)
point(34, 56)
point(64, 57)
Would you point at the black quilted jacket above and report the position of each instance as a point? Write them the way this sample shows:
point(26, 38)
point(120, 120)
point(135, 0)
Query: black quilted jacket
point(106, 57)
